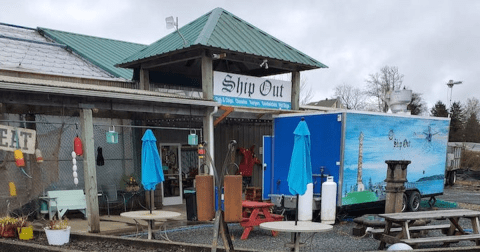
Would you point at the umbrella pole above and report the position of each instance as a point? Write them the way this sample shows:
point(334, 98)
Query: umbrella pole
point(151, 201)
point(296, 214)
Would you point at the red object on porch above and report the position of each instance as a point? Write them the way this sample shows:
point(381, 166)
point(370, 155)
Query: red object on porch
point(255, 213)
point(78, 146)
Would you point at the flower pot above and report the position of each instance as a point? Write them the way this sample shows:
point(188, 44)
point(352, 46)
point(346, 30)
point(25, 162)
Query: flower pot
point(8, 231)
point(58, 236)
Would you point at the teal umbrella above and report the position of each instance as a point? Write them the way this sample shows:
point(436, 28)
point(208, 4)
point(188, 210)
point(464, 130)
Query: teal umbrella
point(300, 171)
point(152, 172)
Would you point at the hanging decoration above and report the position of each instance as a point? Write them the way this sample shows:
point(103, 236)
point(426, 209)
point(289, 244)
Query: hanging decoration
point(100, 160)
point(19, 160)
point(192, 138)
point(249, 159)
point(111, 135)
point(74, 168)
point(38, 156)
point(78, 146)
point(13, 189)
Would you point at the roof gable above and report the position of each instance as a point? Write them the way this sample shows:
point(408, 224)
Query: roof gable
point(102, 52)
point(221, 29)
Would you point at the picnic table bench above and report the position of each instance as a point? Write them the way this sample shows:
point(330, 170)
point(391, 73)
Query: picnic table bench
point(454, 232)
point(61, 201)
point(255, 213)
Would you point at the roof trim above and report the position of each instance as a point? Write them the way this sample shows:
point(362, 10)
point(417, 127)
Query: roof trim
point(74, 89)
point(209, 27)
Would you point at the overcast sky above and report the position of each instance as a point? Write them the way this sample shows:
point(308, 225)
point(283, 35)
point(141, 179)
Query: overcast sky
point(431, 42)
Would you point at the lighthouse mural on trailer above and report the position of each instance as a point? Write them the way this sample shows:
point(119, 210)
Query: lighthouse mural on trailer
point(360, 186)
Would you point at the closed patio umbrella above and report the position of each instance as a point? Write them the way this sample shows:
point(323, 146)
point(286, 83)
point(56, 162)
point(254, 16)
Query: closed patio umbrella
point(300, 171)
point(152, 172)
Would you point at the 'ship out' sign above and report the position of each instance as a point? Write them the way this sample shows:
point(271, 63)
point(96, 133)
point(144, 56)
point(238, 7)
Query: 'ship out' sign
point(248, 91)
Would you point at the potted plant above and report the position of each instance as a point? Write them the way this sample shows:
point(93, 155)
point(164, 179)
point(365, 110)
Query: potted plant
point(58, 232)
point(8, 227)
point(13, 227)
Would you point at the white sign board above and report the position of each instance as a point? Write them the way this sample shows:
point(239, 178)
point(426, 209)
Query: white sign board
point(248, 91)
point(10, 136)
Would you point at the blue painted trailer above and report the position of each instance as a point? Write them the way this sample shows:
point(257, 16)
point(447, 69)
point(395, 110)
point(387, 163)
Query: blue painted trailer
point(353, 146)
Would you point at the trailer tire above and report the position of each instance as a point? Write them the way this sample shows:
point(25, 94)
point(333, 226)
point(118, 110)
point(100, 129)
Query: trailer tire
point(452, 178)
point(414, 200)
point(405, 202)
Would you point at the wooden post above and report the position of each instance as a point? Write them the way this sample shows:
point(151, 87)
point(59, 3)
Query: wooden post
point(295, 90)
point(89, 171)
point(144, 79)
point(396, 177)
point(207, 77)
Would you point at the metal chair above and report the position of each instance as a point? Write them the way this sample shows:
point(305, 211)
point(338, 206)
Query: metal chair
point(111, 195)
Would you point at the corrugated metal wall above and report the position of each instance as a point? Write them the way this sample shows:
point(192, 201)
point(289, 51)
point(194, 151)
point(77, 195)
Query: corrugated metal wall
point(247, 133)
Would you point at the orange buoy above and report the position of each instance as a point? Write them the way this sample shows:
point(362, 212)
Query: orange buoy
point(19, 160)
point(78, 146)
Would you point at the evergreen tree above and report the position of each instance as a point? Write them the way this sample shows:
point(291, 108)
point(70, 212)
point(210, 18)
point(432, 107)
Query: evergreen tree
point(417, 106)
point(472, 129)
point(456, 123)
point(439, 110)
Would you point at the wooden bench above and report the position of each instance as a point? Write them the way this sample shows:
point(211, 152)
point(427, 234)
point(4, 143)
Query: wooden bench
point(61, 201)
point(445, 239)
point(378, 231)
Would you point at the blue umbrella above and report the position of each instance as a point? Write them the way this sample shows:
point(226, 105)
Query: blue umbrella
point(152, 172)
point(300, 171)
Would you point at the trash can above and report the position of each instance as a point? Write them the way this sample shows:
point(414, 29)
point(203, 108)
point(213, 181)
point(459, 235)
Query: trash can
point(191, 203)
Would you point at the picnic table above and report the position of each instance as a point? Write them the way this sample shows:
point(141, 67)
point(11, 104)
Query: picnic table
point(296, 229)
point(254, 213)
point(150, 217)
point(454, 232)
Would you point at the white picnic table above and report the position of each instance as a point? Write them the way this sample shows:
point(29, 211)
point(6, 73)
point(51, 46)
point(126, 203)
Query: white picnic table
point(150, 217)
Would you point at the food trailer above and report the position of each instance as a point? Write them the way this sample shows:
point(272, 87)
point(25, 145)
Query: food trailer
point(353, 147)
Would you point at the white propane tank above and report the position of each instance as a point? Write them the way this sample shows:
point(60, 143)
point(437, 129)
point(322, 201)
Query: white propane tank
point(329, 201)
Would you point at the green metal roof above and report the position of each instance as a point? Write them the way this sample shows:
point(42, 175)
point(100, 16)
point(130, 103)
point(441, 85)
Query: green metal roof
point(221, 29)
point(104, 53)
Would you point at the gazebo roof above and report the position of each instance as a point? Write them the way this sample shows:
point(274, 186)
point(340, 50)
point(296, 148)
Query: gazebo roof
point(221, 31)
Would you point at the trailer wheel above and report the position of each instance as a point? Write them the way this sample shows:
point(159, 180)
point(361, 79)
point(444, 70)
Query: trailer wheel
point(446, 178)
point(452, 178)
point(414, 201)
point(405, 202)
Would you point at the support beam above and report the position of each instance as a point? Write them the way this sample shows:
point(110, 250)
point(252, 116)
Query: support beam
point(207, 77)
point(89, 171)
point(144, 79)
point(208, 135)
point(295, 90)
point(228, 110)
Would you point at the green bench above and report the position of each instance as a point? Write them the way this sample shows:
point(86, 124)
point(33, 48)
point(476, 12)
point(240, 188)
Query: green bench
point(61, 201)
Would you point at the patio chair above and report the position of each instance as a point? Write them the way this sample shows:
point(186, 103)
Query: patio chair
point(112, 197)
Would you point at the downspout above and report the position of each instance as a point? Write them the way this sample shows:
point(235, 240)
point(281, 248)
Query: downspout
point(210, 139)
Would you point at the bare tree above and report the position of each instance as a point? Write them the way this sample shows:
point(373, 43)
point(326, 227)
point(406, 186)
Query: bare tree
point(379, 84)
point(306, 92)
point(472, 106)
point(350, 97)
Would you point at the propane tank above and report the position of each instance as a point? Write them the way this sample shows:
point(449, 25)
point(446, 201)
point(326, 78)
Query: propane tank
point(329, 201)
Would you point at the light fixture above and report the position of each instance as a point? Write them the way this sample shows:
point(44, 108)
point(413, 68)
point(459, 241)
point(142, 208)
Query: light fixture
point(450, 85)
point(219, 55)
point(173, 23)
point(264, 63)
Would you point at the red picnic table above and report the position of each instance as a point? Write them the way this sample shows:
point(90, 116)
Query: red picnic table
point(254, 213)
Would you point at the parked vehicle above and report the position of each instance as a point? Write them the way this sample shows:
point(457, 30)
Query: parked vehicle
point(353, 147)
point(454, 155)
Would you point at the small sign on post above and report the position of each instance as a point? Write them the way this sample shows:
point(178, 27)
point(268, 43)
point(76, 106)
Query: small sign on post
point(112, 136)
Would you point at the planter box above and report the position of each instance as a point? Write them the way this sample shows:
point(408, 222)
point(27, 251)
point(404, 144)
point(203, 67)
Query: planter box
point(58, 237)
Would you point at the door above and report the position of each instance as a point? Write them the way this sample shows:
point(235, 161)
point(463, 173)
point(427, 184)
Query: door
point(172, 170)
point(267, 167)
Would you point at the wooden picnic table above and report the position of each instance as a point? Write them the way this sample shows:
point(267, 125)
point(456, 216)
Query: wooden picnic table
point(454, 232)
point(254, 213)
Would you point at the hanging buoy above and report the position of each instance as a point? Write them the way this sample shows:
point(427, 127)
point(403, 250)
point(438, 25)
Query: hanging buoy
point(19, 161)
point(39, 156)
point(74, 168)
point(13, 189)
point(78, 146)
